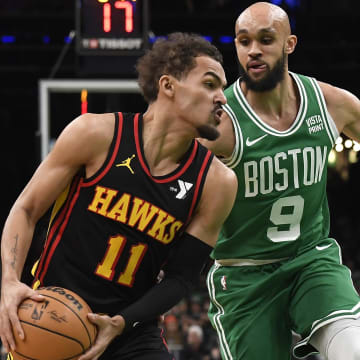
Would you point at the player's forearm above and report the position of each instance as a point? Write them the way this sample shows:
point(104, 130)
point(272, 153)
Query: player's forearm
point(158, 300)
point(182, 269)
point(15, 243)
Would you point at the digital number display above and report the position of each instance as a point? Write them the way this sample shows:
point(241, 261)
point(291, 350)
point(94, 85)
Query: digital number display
point(110, 26)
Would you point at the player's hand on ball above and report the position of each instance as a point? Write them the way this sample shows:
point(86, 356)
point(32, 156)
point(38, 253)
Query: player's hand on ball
point(108, 328)
point(56, 328)
point(12, 294)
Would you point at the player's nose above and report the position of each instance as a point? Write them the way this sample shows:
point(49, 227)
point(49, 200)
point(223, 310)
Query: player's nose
point(220, 97)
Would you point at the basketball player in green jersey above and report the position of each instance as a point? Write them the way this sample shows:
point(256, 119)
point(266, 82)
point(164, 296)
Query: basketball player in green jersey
point(276, 270)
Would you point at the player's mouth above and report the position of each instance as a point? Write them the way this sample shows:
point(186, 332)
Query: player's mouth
point(256, 67)
point(217, 115)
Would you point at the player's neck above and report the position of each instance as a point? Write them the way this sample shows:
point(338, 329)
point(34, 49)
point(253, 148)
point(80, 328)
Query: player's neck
point(164, 142)
point(277, 107)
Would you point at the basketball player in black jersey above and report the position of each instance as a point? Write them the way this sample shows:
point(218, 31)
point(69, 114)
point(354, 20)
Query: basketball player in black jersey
point(132, 194)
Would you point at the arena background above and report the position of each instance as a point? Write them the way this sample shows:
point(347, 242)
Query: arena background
point(38, 41)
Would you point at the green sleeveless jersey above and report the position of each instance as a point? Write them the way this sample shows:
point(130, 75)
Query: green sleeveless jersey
point(281, 207)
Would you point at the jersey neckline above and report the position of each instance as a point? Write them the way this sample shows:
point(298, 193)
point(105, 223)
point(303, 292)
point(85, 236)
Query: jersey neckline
point(262, 124)
point(173, 175)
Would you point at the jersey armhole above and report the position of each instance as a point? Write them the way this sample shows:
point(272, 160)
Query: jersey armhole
point(111, 156)
point(237, 153)
point(330, 125)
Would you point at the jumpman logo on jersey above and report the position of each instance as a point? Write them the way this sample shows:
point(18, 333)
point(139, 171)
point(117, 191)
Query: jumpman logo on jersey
point(126, 163)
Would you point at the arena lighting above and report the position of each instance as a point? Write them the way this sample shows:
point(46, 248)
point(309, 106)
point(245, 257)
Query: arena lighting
point(339, 140)
point(84, 102)
point(291, 3)
point(332, 157)
point(226, 39)
point(339, 147)
point(352, 157)
point(348, 143)
point(356, 146)
point(67, 39)
point(46, 39)
point(8, 39)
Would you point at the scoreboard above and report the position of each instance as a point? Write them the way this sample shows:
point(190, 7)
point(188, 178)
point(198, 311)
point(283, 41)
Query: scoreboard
point(111, 27)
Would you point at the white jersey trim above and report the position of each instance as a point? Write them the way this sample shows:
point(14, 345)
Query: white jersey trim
point(247, 262)
point(300, 116)
point(217, 321)
point(236, 156)
point(330, 126)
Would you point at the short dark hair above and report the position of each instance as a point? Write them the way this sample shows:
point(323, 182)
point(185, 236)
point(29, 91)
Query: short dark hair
point(174, 55)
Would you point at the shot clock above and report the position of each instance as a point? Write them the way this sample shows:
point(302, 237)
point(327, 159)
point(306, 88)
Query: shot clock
point(111, 27)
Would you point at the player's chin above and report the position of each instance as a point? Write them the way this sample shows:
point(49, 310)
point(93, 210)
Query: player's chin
point(208, 132)
point(256, 78)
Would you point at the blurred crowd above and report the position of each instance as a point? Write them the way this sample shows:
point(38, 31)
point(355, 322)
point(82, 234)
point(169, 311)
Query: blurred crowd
point(187, 329)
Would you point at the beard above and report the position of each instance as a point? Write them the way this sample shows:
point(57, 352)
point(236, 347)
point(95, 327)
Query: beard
point(270, 80)
point(208, 132)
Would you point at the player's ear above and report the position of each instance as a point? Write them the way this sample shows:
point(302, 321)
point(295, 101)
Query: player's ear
point(291, 42)
point(166, 85)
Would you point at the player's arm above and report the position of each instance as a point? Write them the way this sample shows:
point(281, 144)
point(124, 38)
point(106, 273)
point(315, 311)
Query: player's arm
point(216, 202)
point(71, 151)
point(344, 108)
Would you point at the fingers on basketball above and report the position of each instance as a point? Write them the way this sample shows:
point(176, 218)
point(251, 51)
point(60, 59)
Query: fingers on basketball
point(56, 328)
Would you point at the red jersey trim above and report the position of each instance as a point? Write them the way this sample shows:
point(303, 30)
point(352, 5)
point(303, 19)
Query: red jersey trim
point(113, 155)
point(163, 339)
point(55, 226)
point(198, 183)
point(63, 221)
point(143, 164)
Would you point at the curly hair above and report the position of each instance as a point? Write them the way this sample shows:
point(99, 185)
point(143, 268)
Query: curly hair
point(174, 55)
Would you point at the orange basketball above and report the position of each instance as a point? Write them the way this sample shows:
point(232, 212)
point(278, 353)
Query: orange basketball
point(55, 329)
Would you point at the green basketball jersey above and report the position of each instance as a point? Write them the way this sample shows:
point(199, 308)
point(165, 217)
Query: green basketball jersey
point(281, 206)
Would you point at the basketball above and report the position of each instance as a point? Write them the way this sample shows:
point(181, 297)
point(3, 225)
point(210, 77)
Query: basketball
point(56, 328)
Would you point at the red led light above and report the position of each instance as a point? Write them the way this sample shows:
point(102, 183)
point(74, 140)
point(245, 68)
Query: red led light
point(129, 15)
point(84, 102)
point(121, 5)
point(107, 17)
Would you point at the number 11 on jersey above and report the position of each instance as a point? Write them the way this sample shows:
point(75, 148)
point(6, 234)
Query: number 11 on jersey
point(115, 250)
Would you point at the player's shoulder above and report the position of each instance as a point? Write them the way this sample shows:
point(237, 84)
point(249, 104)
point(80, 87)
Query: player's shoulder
point(94, 129)
point(94, 126)
point(95, 121)
point(334, 94)
point(220, 190)
point(222, 174)
point(340, 103)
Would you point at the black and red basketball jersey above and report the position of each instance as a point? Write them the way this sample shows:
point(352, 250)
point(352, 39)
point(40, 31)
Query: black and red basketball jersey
point(110, 234)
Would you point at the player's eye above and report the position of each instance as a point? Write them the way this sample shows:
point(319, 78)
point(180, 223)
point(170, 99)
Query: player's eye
point(267, 40)
point(210, 84)
point(244, 42)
